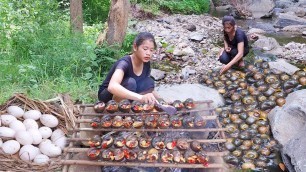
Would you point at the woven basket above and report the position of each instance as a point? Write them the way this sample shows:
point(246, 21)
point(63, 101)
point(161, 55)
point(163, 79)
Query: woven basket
point(61, 107)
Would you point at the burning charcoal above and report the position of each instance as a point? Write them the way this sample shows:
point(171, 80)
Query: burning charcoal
point(130, 155)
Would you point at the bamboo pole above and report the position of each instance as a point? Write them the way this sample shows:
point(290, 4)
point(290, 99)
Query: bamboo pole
point(83, 150)
point(149, 129)
point(142, 113)
point(134, 164)
point(189, 140)
point(89, 120)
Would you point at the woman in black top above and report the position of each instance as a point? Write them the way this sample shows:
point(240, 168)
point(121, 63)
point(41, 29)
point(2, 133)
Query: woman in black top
point(236, 45)
point(129, 78)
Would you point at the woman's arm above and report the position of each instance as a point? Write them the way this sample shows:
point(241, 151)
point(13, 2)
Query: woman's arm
point(235, 59)
point(118, 90)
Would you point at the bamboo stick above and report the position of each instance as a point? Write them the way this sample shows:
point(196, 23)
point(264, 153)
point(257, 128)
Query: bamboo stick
point(81, 150)
point(189, 140)
point(149, 129)
point(196, 102)
point(134, 164)
point(143, 113)
point(89, 120)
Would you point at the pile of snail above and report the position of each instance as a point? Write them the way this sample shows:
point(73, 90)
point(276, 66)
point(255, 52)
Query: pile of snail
point(126, 106)
point(146, 149)
point(249, 96)
point(181, 120)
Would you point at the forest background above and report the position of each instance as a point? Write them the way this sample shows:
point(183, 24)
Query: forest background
point(41, 56)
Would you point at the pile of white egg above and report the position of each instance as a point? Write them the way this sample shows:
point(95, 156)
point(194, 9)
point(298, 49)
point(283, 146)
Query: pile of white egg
point(31, 134)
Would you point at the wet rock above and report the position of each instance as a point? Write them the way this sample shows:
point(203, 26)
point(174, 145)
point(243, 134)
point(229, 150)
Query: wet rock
point(183, 91)
point(158, 74)
point(284, 66)
point(294, 28)
point(191, 28)
point(261, 8)
point(288, 125)
point(197, 37)
point(256, 30)
point(304, 33)
point(298, 11)
point(286, 19)
point(268, 44)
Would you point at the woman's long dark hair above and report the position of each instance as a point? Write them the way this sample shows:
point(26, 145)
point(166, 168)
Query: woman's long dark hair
point(228, 20)
point(143, 36)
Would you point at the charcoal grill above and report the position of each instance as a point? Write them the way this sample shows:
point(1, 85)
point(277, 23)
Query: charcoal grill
point(204, 108)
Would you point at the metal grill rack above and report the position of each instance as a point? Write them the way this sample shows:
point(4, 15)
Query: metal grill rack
point(204, 108)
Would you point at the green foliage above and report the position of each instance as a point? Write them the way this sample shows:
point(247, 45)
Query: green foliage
point(95, 11)
point(41, 57)
point(175, 6)
point(186, 6)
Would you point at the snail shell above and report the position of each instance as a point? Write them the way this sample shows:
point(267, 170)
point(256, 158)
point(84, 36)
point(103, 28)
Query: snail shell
point(248, 100)
point(270, 79)
point(280, 101)
point(263, 88)
point(267, 105)
point(251, 154)
point(261, 98)
point(284, 77)
point(231, 159)
point(302, 80)
point(230, 146)
point(248, 165)
point(300, 73)
point(237, 153)
point(290, 84)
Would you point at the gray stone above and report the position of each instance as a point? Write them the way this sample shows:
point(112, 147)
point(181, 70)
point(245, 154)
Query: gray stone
point(157, 74)
point(284, 66)
point(196, 36)
point(268, 44)
point(261, 8)
point(288, 125)
point(197, 92)
point(83, 168)
point(191, 28)
point(304, 33)
point(286, 19)
point(294, 28)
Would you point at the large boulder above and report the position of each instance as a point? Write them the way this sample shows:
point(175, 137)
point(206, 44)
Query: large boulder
point(286, 19)
point(197, 92)
point(268, 44)
point(261, 8)
point(288, 125)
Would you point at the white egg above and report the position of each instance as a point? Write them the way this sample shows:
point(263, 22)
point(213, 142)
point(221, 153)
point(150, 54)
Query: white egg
point(49, 120)
point(61, 142)
point(45, 132)
point(41, 159)
point(24, 137)
point(7, 132)
point(15, 111)
point(37, 138)
point(17, 125)
point(28, 152)
point(30, 123)
point(6, 119)
point(58, 133)
point(32, 114)
point(51, 150)
point(43, 142)
point(10, 147)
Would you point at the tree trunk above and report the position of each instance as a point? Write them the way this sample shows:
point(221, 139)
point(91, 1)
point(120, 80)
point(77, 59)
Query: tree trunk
point(117, 21)
point(76, 16)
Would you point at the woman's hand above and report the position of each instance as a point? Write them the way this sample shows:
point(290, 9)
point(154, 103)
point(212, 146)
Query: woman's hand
point(148, 98)
point(228, 49)
point(225, 68)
